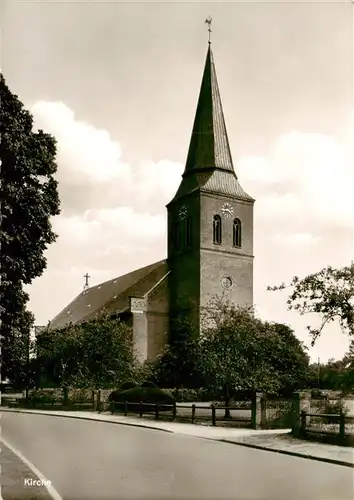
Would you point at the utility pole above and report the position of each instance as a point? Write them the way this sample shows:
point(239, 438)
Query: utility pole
point(318, 372)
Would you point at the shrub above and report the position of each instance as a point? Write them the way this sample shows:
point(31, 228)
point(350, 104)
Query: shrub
point(129, 384)
point(80, 395)
point(193, 395)
point(40, 397)
point(318, 394)
point(147, 395)
point(188, 395)
point(334, 408)
point(148, 384)
point(114, 394)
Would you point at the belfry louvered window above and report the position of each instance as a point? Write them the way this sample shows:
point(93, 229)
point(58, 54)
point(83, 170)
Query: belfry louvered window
point(177, 235)
point(236, 233)
point(217, 230)
point(188, 231)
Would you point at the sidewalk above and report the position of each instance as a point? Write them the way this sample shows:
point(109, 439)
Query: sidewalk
point(271, 440)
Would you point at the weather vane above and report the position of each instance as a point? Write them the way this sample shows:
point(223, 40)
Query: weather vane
point(208, 21)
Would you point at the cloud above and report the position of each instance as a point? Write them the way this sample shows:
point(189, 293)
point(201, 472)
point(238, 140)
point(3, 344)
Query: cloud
point(92, 172)
point(306, 177)
point(85, 154)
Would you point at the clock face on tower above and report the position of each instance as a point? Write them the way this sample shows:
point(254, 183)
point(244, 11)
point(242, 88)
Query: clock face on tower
point(182, 212)
point(227, 210)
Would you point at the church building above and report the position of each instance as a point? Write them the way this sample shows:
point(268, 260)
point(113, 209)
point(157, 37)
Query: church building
point(210, 242)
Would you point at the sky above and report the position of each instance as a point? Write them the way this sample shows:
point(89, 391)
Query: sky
point(117, 84)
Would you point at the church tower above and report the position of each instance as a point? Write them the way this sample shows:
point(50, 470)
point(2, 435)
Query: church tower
point(210, 219)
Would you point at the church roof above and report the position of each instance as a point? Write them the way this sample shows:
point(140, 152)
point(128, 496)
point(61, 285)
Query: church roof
point(112, 296)
point(209, 145)
point(215, 182)
point(209, 165)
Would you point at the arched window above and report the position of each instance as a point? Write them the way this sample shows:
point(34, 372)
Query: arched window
point(177, 235)
point(236, 233)
point(188, 231)
point(217, 230)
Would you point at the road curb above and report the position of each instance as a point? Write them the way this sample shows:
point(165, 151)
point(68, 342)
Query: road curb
point(219, 440)
point(131, 424)
point(291, 453)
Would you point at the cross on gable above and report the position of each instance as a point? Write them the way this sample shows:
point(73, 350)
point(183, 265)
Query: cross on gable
point(86, 276)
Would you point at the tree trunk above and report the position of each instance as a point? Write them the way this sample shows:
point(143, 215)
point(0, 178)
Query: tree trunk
point(227, 401)
point(177, 391)
point(66, 396)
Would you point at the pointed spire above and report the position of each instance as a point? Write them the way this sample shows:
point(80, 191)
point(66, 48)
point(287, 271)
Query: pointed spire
point(209, 166)
point(209, 146)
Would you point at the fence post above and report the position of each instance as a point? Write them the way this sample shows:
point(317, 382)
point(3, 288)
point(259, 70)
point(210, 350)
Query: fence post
point(174, 411)
point(301, 402)
point(125, 408)
point(93, 399)
point(213, 414)
point(341, 427)
point(141, 408)
point(256, 414)
point(157, 411)
point(193, 413)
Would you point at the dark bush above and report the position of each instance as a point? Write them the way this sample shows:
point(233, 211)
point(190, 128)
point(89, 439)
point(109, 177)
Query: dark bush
point(113, 395)
point(147, 384)
point(146, 395)
point(129, 384)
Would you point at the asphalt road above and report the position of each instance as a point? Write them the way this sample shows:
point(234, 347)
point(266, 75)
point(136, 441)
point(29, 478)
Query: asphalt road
point(95, 460)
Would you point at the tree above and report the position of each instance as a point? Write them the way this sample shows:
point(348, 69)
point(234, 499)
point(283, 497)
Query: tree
point(338, 374)
point(289, 357)
point(95, 355)
point(239, 352)
point(177, 366)
point(348, 364)
point(18, 349)
point(329, 293)
point(29, 198)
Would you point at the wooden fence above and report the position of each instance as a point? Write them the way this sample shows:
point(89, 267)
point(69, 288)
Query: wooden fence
point(192, 412)
point(336, 432)
point(253, 413)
